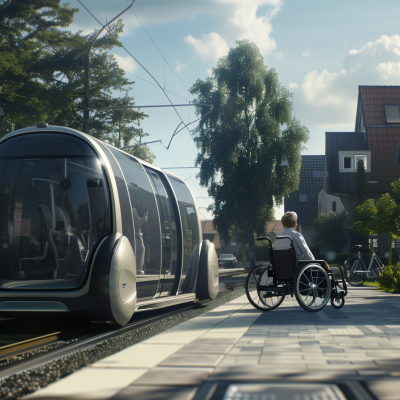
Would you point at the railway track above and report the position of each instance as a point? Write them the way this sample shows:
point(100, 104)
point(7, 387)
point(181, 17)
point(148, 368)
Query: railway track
point(27, 353)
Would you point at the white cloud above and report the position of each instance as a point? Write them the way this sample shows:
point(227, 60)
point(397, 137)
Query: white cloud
point(293, 85)
point(388, 69)
point(256, 29)
point(179, 66)
point(211, 47)
point(126, 63)
point(329, 98)
point(305, 53)
point(319, 90)
point(243, 22)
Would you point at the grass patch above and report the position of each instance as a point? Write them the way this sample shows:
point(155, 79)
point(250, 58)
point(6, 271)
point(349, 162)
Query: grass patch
point(380, 287)
point(371, 283)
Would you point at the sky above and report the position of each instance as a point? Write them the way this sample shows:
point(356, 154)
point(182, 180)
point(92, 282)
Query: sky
point(321, 50)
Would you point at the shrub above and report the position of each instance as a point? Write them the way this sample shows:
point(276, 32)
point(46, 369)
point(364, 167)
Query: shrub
point(390, 278)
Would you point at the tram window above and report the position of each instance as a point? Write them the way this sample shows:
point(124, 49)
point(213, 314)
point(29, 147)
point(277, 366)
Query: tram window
point(145, 216)
point(49, 230)
point(168, 231)
point(190, 231)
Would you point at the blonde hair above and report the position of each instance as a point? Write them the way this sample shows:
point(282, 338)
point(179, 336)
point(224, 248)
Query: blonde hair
point(289, 219)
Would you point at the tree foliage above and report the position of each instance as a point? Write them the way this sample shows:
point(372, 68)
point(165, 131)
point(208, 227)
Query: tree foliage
point(382, 216)
point(360, 183)
point(26, 29)
point(331, 230)
point(42, 70)
point(244, 139)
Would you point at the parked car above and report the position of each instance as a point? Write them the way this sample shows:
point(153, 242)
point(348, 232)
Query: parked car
point(227, 261)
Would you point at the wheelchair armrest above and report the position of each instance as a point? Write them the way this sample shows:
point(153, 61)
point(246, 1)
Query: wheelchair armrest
point(322, 263)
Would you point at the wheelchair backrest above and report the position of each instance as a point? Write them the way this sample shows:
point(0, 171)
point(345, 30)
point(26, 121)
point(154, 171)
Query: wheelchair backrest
point(284, 257)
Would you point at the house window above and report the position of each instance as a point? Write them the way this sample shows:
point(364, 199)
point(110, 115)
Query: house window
point(316, 174)
point(392, 113)
point(348, 162)
point(363, 159)
point(302, 198)
point(334, 206)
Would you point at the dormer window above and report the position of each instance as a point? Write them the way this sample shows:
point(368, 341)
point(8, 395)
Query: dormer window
point(348, 160)
point(392, 113)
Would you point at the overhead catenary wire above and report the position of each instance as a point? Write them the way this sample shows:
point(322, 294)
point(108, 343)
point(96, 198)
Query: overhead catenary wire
point(162, 55)
point(120, 44)
point(151, 83)
point(155, 80)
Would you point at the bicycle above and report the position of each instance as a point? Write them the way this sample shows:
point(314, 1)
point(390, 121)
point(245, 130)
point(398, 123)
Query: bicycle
point(356, 272)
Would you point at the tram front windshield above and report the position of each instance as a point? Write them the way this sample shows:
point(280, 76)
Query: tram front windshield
point(54, 209)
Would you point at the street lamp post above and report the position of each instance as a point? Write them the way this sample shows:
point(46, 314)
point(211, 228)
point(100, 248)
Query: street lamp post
point(87, 70)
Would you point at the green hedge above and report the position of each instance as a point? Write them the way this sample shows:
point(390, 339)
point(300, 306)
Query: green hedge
point(390, 279)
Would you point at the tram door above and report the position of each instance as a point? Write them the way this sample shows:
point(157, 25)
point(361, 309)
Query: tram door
point(146, 225)
point(168, 235)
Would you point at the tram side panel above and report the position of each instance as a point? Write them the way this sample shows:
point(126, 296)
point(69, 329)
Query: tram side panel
point(87, 229)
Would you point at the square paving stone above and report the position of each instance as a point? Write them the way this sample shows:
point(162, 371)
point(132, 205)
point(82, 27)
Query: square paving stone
point(249, 348)
point(192, 360)
point(174, 376)
point(156, 393)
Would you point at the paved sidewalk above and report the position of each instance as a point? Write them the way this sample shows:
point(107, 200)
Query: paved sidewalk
point(356, 347)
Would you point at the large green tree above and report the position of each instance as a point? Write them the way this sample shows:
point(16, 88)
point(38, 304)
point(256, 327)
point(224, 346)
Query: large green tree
point(42, 72)
point(244, 142)
point(26, 28)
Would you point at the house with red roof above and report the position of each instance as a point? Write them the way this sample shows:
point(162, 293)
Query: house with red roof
point(375, 141)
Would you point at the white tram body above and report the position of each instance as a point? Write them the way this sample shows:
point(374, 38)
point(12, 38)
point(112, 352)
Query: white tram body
point(90, 231)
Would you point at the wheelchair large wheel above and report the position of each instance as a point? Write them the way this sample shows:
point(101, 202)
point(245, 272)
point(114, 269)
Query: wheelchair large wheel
point(312, 287)
point(257, 298)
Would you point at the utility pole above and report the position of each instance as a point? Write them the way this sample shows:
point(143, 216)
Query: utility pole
point(87, 71)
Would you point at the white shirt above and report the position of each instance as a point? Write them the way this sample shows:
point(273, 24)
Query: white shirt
point(300, 246)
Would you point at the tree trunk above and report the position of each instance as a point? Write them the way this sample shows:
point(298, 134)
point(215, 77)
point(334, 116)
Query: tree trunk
point(252, 259)
point(390, 249)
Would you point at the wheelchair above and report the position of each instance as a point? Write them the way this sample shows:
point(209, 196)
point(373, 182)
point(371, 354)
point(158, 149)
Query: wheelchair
point(313, 282)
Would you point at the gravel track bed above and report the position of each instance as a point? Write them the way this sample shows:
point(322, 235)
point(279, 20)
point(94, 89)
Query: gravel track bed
point(29, 381)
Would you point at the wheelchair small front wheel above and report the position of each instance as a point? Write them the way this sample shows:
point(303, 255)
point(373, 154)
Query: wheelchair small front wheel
point(262, 299)
point(312, 287)
point(337, 302)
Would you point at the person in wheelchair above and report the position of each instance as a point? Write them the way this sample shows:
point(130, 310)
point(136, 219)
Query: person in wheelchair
point(289, 222)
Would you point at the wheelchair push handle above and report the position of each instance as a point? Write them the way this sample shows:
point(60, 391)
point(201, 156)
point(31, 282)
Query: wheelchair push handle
point(264, 238)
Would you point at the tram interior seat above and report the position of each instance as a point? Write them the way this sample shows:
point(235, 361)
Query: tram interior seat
point(69, 246)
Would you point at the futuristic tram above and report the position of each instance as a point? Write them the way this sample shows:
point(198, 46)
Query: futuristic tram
point(90, 231)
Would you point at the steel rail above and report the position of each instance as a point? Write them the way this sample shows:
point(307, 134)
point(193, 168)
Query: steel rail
point(36, 343)
point(64, 351)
